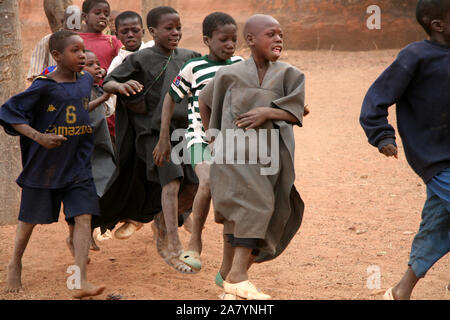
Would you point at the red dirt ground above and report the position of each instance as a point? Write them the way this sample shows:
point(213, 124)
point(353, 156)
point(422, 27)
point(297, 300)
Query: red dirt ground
point(362, 209)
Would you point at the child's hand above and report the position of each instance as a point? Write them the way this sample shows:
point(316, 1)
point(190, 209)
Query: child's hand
point(129, 87)
point(389, 150)
point(161, 152)
point(254, 118)
point(50, 140)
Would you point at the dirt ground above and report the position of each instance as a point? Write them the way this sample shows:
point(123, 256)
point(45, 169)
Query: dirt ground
point(362, 210)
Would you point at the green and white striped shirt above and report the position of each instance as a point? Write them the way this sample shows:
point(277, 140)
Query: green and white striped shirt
point(193, 77)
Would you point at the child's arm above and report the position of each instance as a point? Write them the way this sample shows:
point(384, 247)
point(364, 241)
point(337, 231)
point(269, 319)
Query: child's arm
point(258, 116)
point(97, 102)
point(384, 92)
point(161, 152)
point(47, 140)
point(126, 88)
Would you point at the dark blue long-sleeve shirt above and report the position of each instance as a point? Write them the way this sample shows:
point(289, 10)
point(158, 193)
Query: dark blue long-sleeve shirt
point(418, 81)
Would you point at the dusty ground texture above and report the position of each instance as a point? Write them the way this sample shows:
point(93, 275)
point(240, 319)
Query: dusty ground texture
point(362, 210)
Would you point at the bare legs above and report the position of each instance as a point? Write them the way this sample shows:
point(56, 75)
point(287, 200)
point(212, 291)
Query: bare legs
point(403, 290)
point(23, 234)
point(168, 242)
point(81, 243)
point(200, 208)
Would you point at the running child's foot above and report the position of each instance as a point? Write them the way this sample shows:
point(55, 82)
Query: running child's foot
point(88, 290)
point(13, 281)
point(168, 253)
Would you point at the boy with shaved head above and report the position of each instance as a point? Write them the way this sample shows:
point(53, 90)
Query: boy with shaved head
point(256, 201)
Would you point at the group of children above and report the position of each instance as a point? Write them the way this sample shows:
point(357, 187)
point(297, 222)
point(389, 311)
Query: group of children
point(108, 170)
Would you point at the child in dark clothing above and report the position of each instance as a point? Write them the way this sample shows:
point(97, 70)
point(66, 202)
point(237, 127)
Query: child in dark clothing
point(52, 118)
point(418, 82)
point(141, 189)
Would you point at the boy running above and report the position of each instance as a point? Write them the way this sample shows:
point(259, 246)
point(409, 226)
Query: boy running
point(52, 118)
point(219, 35)
point(258, 205)
point(140, 189)
point(418, 82)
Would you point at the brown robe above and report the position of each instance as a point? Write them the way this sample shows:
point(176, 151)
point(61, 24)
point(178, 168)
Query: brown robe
point(248, 203)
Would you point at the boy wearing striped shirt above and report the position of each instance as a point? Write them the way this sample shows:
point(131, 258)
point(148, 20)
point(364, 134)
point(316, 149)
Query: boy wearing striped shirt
point(220, 36)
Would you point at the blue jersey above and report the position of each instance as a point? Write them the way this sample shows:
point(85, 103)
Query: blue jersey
point(59, 108)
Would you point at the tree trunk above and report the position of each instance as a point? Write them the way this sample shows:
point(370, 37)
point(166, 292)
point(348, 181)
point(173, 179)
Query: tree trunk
point(11, 82)
point(54, 10)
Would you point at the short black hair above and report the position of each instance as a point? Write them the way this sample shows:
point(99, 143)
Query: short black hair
point(89, 4)
point(214, 20)
point(155, 14)
point(429, 10)
point(58, 40)
point(125, 15)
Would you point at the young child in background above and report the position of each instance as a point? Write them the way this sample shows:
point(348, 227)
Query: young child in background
point(141, 189)
point(95, 14)
point(52, 118)
point(220, 36)
point(258, 205)
point(418, 82)
point(130, 32)
point(41, 57)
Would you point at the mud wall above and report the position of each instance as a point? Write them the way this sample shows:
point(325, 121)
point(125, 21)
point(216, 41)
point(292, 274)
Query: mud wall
point(307, 24)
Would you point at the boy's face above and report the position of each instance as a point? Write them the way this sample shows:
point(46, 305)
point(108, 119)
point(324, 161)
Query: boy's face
point(222, 44)
point(268, 42)
point(73, 56)
point(130, 33)
point(97, 18)
point(93, 66)
point(167, 34)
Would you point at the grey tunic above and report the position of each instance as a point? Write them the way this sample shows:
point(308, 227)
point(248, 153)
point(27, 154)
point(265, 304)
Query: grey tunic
point(259, 199)
point(103, 162)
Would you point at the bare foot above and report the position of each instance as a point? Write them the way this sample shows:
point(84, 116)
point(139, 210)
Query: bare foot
point(72, 249)
point(88, 290)
point(13, 282)
point(168, 253)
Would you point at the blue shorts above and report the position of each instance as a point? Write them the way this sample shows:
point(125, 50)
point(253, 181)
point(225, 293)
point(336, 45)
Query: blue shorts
point(42, 206)
point(432, 241)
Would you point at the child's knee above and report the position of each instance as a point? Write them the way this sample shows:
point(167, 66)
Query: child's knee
point(84, 220)
point(204, 188)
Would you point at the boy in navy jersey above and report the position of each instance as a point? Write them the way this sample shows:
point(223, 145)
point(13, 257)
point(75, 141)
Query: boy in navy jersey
point(52, 119)
point(418, 81)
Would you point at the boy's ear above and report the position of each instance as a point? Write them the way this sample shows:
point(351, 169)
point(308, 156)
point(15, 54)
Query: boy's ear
point(437, 26)
point(56, 55)
point(152, 31)
point(206, 40)
point(250, 39)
